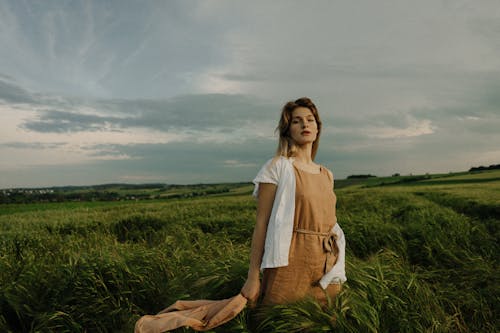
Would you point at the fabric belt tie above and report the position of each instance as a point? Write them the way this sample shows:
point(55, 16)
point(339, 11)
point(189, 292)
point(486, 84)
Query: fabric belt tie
point(329, 246)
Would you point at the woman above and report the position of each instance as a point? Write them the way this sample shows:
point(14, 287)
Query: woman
point(297, 242)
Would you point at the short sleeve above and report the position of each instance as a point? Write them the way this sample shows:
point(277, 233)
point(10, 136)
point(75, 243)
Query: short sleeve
point(267, 174)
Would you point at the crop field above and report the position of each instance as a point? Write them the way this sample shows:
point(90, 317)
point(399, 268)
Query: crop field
point(422, 256)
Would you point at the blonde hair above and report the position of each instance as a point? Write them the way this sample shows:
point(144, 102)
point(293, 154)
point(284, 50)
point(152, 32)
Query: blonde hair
point(286, 145)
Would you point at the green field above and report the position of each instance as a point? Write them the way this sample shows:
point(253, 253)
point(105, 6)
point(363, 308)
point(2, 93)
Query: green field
point(422, 256)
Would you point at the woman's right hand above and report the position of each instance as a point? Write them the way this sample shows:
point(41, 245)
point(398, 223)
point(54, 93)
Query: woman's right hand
point(251, 291)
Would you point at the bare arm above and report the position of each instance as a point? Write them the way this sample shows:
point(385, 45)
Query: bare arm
point(266, 196)
point(265, 202)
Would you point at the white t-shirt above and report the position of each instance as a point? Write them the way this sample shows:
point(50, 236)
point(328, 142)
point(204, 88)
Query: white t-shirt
point(280, 227)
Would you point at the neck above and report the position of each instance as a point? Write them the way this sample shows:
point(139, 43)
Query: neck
point(303, 154)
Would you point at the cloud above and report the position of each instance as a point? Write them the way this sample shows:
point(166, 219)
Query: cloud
point(12, 93)
point(32, 145)
point(174, 163)
point(238, 164)
point(61, 121)
point(417, 128)
point(225, 113)
point(194, 113)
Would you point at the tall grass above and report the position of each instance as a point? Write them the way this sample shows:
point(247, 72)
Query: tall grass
point(417, 261)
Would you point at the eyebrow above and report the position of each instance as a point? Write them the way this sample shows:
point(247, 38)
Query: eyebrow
point(301, 117)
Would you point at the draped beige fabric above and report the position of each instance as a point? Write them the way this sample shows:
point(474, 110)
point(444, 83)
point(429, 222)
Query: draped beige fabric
point(201, 315)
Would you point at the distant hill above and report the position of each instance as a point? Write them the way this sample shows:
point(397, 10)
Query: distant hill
point(491, 174)
point(160, 191)
point(114, 192)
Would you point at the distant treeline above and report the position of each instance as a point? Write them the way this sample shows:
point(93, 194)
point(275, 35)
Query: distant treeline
point(405, 179)
point(360, 176)
point(109, 192)
point(482, 168)
point(24, 197)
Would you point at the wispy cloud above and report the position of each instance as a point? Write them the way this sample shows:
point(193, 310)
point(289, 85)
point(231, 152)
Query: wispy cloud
point(238, 164)
point(216, 113)
point(32, 145)
point(417, 128)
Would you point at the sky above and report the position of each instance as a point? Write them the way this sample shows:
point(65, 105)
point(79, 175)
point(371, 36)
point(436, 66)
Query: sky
point(185, 92)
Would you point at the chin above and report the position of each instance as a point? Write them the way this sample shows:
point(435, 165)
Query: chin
point(305, 142)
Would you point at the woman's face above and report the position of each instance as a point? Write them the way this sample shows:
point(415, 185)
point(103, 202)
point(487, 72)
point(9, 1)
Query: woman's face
point(303, 128)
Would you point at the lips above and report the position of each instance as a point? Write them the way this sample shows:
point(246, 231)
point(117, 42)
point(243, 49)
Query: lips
point(306, 132)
